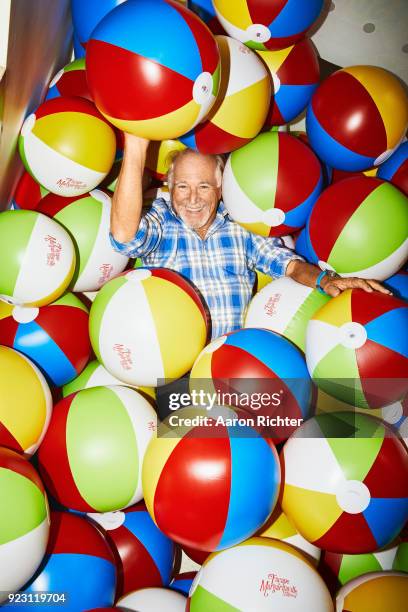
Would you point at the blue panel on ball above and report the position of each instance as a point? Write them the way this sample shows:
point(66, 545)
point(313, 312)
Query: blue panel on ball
point(297, 216)
point(293, 99)
point(295, 17)
point(386, 329)
point(386, 518)
point(387, 170)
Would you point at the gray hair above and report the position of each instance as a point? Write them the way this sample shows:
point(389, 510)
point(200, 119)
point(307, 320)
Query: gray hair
point(177, 155)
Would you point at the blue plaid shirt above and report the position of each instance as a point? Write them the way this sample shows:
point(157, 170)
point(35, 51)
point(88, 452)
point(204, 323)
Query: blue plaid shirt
point(222, 265)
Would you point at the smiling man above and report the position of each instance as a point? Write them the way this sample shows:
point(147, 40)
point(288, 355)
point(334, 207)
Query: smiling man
point(194, 235)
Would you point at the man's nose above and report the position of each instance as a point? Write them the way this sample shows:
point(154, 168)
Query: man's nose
point(194, 194)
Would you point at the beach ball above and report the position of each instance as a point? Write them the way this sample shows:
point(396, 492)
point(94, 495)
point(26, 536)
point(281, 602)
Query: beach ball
point(270, 185)
point(295, 74)
point(87, 15)
point(374, 592)
point(70, 81)
point(272, 25)
point(54, 337)
point(148, 325)
point(357, 117)
point(146, 600)
point(144, 556)
point(28, 193)
point(198, 556)
point(79, 50)
point(95, 375)
point(268, 575)
point(78, 567)
point(159, 156)
point(280, 528)
point(25, 402)
point(240, 110)
point(398, 284)
point(355, 348)
point(91, 457)
point(182, 582)
point(24, 521)
point(259, 371)
point(87, 219)
point(178, 78)
point(337, 569)
point(359, 227)
point(395, 169)
point(337, 491)
point(200, 478)
point(67, 146)
point(37, 258)
point(285, 306)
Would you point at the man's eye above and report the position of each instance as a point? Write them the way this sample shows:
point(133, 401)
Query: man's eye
point(204, 187)
point(181, 186)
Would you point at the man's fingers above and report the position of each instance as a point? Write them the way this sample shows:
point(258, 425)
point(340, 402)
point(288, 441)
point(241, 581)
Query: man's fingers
point(378, 286)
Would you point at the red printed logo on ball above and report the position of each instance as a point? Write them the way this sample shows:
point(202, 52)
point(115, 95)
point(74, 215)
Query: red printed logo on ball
point(70, 182)
point(277, 584)
point(125, 356)
point(54, 250)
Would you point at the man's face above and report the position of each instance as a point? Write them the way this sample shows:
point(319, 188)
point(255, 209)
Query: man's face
point(195, 194)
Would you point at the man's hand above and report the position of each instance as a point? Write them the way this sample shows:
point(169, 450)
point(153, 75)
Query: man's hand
point(136, 144)
point(335, 286)
point(307, 274)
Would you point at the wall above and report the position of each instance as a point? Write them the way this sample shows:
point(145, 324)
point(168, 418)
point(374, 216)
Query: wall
point(39, 44)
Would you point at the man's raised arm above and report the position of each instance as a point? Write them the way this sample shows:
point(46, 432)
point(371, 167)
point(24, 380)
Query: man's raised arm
point(128, 197)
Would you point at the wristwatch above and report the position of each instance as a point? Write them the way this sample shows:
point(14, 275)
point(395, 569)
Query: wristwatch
point(323, 273)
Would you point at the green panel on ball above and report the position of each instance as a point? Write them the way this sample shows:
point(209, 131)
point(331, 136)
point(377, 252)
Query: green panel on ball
point(372, 218)
point(98, 308)
point(102, 449)
point(81, 219)
point(255, 168)
point(16, 227)
point(356, 460)
point(326, 374)
point(296, 330)
point(22, 508)
point(80, 381)
point(78, 64)
point(204, 601)
point(401, 558)
point(353, 566)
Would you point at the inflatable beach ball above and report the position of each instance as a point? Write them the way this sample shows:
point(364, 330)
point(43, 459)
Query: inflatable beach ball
point(70, 81)
point(338, 569)
point(357, 117)
point(270, 185)
point(95, 375)
point(267, 25)
point(144, 556)
point(87, 219)
point(267, 575)
point(295, 74)
point(25, 402)
point(242, 105)
point(54, 337)
point(148, 325)
point(200, 478)
point(91, 457)
point(395, 169)
point(374, 592)
point(285, 306)
point(146, 600)
point(241, 366)
point(280, 528)
point(28, 193)
point(366, 236)
point(78, 567)
point(356, 350)
point(337, 491)
point(24, 521)
point(178, 79)
point(159, 157)
point(67, 146)
point(37, 258)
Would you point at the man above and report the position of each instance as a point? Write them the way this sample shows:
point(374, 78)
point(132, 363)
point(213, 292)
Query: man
point(194, 235)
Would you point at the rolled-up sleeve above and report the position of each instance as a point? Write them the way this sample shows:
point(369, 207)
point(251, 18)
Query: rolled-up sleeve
point(269, 255)
point(148, 235)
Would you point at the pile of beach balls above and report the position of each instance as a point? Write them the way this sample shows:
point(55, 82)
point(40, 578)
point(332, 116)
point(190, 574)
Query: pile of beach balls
point(100, 498)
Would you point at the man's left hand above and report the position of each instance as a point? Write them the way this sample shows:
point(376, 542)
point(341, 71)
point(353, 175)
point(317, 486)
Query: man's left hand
point(334, 286)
